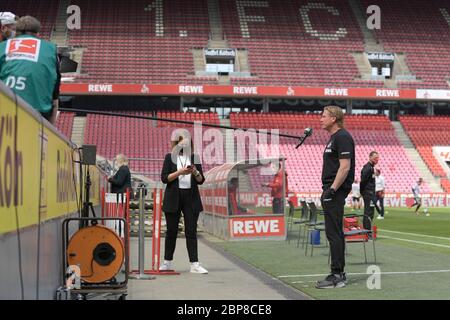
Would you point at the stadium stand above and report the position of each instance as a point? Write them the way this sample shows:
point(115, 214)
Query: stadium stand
point(294, 53)
point(426, 132)
point(135, 138)
point(370, 133)
point(137, 43)
point(124, 135)
point(44, 11)
point(204, 117)
point(117, 53)
point(127, 46)
point(445, 184)
point(422, 37)
point(64, 123)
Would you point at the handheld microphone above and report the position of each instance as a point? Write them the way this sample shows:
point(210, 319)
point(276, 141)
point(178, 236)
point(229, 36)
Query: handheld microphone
point(307, 133)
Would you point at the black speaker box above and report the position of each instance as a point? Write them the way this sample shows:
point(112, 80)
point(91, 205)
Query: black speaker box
point(89, 153)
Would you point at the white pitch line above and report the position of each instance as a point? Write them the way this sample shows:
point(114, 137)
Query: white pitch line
point(414, 234)
point(362, 274)
point(419, 242)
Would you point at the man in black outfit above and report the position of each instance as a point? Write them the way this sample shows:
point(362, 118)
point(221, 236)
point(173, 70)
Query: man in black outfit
point(338, 174)
point(367, 187)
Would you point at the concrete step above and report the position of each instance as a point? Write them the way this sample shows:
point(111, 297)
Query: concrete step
point(59, 36)
point(242, 61)
point(228, 140)
point(218, 44)
point(416, 159)
point(215, 22)
point(199, 60)
point(363, 64)
point(401, 66)
point(224, 80)
point(79, 125)
point(371, 43)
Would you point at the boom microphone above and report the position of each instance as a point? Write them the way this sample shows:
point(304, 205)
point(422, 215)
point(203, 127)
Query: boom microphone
point(307, 133)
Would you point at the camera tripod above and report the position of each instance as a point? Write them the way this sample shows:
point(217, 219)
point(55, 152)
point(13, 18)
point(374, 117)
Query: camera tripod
point(87, 204)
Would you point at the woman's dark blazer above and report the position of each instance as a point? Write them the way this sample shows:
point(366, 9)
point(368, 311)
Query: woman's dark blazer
point(121, 180)
point(172, 195)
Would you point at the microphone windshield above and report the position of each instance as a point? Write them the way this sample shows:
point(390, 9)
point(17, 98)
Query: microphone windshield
point(308, 132)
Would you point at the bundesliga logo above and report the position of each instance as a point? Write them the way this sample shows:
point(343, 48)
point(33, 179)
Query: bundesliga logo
point(23, 49)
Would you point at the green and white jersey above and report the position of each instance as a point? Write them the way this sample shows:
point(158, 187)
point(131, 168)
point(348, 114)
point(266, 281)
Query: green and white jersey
point(29, 66)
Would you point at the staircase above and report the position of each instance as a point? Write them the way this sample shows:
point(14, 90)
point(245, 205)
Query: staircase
point(59, 35)
point(79, 124)
point(230, 150)
point(401, 70)
point(224, 80)
point(199, 61)
point(371, 43)
point(231, 154)
point(363, 64)
point(215, 21)
point(415, 157)
point(243, 65)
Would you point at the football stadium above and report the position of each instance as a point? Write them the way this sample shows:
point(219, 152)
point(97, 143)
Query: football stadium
point(299, 148)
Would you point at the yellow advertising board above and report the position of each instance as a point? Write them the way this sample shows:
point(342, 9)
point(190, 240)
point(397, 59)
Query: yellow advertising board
point(38, 175)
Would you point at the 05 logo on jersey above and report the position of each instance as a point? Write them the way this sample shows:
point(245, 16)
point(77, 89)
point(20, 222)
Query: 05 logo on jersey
point(23, 49)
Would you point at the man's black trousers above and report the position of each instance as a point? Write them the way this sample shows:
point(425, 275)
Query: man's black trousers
point(190, 225)
point(277, 205)
point(369, 209)
point(334, 216)
point(379, 199)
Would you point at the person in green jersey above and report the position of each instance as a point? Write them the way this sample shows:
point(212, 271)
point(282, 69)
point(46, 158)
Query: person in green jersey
point(30, 67)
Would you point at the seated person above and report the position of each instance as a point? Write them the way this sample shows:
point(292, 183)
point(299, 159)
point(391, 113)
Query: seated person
point(233, 206)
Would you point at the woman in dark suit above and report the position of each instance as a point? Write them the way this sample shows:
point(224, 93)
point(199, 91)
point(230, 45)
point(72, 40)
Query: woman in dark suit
point(121, 181)
point(182, 173)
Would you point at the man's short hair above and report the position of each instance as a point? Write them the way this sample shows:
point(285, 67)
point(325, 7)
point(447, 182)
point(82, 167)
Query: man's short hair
point(28, 24)
point(373, 153)
point(336, 112)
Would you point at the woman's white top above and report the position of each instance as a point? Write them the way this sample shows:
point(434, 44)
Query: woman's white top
point(184, 181)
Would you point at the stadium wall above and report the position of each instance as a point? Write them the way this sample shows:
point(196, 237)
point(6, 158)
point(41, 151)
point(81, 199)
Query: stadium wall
point(39, 188)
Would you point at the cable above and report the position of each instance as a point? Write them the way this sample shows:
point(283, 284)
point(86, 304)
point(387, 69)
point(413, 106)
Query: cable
point(80, 182)
point(74, 181)
point(176, 121)
point(19, 245)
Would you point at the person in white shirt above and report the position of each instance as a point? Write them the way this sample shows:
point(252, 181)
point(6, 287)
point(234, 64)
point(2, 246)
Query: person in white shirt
point(379, 194)
point(356, 195)
point(417, 197)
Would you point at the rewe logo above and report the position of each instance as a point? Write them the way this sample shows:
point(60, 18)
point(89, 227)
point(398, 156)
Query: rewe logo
point(191, 89)
point(100, 88)
point(245, 90)
point(23, 49)
point(388, 93)
point(336, 92)
point(256, 227)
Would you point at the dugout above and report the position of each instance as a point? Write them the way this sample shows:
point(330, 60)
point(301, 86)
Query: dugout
point(238, 200)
